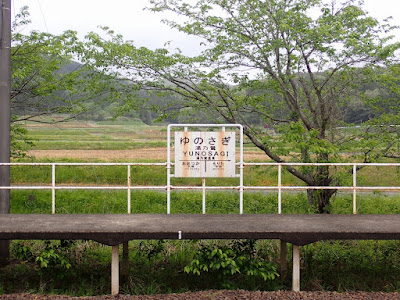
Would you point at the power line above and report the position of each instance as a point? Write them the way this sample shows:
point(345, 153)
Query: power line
point(41, 12)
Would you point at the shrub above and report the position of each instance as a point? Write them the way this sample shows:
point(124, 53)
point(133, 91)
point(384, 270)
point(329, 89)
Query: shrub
point(235, 258)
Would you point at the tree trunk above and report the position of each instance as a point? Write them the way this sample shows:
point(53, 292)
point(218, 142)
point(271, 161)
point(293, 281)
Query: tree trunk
point(321, 199)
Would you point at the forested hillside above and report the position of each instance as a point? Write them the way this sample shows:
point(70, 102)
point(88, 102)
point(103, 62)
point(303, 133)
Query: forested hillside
point(355, 110)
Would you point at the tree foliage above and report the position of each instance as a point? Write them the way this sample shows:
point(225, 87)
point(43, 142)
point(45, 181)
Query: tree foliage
point(46, 80)
point(38, 77)
point(295, 64)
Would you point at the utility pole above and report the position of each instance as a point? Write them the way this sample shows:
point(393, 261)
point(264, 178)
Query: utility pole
point(5, 119)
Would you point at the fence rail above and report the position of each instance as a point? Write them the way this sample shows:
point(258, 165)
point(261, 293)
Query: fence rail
point(168, 187)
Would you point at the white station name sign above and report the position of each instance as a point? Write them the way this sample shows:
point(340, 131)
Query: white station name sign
point(205, 154)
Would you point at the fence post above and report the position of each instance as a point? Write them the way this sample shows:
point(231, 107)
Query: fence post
point(53, 189)
point(204, 196)
point(241, 169)
point(279, 189)
point(169, 169)
point(354, 189)
point(129, 189)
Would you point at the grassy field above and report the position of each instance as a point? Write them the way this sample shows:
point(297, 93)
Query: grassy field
point(82, 268)
point(100, 135)
point(79, 141)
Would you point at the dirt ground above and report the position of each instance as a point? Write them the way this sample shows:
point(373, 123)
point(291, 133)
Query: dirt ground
point(159, 154)
point(227, 295)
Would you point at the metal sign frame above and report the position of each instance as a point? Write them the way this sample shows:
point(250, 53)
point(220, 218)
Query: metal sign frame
point(240, 164)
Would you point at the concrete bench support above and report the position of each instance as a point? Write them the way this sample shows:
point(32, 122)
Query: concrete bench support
point(283, 260)
point(115, 270)
point(296, 269)
point(125, 262)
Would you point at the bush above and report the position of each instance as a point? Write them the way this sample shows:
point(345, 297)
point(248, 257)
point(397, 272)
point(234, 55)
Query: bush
point(235, 258)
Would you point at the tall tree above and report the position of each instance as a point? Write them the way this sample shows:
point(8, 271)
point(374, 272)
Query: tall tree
point(294, 63)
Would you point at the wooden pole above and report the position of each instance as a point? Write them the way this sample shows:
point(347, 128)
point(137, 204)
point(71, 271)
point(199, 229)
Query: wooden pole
point(5, 118)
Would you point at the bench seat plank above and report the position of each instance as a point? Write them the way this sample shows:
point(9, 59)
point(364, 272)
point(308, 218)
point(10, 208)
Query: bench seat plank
point(114, 229)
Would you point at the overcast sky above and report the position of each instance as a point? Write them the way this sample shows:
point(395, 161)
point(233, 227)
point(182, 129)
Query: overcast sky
point(128, 18)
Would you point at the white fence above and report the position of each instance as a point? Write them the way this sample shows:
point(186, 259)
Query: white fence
point(168, 187)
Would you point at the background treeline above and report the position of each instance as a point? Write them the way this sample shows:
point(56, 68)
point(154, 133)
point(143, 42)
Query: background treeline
point(152, 106)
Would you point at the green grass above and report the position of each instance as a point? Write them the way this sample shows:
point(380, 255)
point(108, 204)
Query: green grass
point(142, 201)
point(107, 135)
point(375, 203)
point(351, 265)
point(97, 144)
point(157, 175)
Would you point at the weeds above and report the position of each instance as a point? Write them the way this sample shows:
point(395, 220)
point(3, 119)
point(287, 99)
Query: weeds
point(231, 262)
point(352, 265)
point(53, 256)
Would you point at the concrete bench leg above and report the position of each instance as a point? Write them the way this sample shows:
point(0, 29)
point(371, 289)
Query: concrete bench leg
point(125, 262)
point(296, 269)
point(283, 259)
point(115, 270)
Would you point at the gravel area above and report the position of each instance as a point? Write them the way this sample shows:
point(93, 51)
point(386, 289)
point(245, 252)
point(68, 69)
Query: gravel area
point(225, 295)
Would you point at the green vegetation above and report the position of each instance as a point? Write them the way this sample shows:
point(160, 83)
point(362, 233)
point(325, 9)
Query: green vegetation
point(82, 267)
point(95, 201)
point(79, 135)
point(351, 265)
point(237, 257)
point(158, 267)
point(312, 77)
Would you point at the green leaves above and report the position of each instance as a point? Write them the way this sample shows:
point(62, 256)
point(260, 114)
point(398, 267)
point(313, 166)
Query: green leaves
point(292, 78)
point(237, 258)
